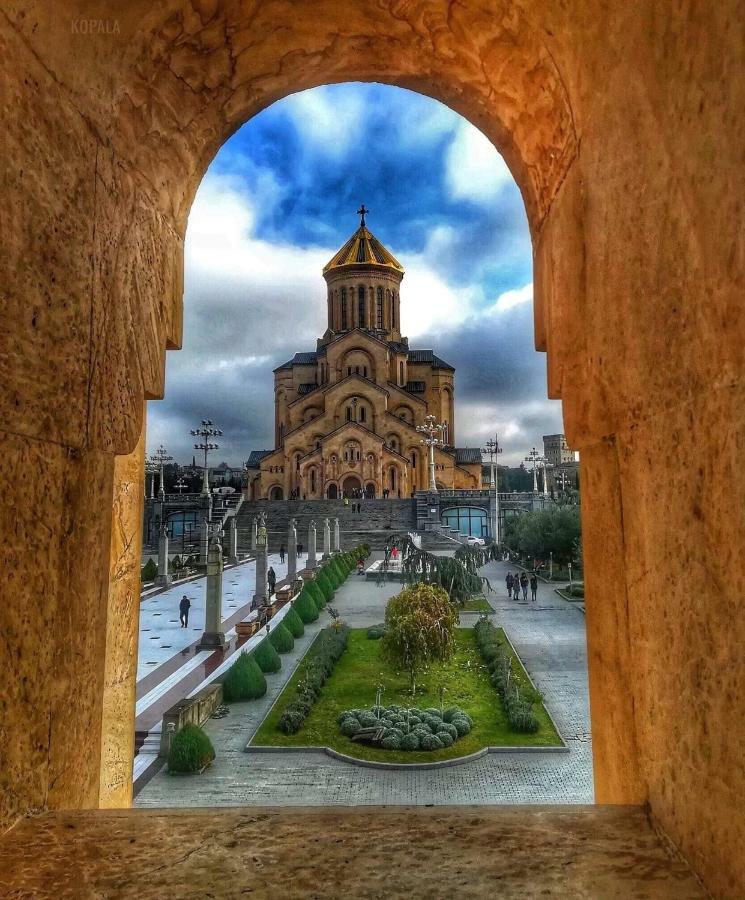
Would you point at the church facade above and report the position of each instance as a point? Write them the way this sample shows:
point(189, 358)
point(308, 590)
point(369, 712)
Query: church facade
point(346, 413)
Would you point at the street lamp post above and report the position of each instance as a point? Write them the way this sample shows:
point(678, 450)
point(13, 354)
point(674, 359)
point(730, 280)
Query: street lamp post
point(535, 458)
point(432, 439)
point(180, 485)
point(493, 449)
point(150, 469)
point(205, 431)
point(159, 459)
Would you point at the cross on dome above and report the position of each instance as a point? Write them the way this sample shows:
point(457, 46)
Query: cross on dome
point(362, 211)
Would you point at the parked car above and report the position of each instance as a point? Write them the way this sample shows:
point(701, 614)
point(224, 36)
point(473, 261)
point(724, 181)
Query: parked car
point(473, 541)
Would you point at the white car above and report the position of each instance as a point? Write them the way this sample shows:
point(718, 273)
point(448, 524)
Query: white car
point(472, 541)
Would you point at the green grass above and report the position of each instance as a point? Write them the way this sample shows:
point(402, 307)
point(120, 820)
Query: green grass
point(477, 604)
point(352, 685)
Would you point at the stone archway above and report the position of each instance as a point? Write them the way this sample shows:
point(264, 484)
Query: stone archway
point(332, 492)
point(93, 280)
point(351, 486)
point(275, 492)
point(370, 490)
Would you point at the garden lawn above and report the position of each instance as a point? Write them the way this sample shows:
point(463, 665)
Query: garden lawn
point(477, 604)
point(352, 685)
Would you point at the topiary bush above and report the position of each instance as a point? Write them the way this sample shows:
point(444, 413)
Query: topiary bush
point(294, 623)
point(376, 632)
point(267, 657)
point(314, 589)
point(282, 639)
point(324, 583)
point(191, 750)
point(305, 606)
point(244, 680)
point(149, 571)
point(407, 729)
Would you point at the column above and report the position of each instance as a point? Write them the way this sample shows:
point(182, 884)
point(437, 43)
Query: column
point(337, 542)
point(204, 542)
point(292, 551)
point(260, 596)
point(233, 540)
point(254, 526)
point(163, 576)
point(546, 493)
point(311, 564)
point(326, 539)
point(213, 637)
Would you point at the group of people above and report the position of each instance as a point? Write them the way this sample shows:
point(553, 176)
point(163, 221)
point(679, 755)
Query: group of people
point(356, 507)
point(521, 582)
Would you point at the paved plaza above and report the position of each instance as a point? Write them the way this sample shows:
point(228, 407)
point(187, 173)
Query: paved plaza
point(550, 638)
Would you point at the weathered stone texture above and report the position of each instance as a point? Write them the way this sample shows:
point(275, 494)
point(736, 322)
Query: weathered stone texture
point(623, 126)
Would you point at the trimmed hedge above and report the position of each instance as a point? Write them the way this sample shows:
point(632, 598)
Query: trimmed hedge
point(149, 571)
point(282, 639)
point(267, 657)
point(305, 606)
point(328, 647)
point(516, 700)
point(324, 583)
point(244, 680)
point(294, 623)
point(191, 750)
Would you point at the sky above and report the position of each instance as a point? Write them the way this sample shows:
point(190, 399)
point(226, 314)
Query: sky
point(278, 201)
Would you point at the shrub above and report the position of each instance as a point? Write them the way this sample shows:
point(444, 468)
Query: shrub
point(430, 742)
point(149, 571)
point(267, 657)
point(294, 623)
point(305, 606)
point(328, 571)
point(391, 742)
point(324, 583)
point(190, 751)
point(282, 639)
point(445, 738)
point(350, 727)
point(291, 719)
point(316, 593)
point(410, 741)
point(376, 632)
point(462, 726)
point(448, 728)
point(339, 570)
point(244, 680)
point(450, 713)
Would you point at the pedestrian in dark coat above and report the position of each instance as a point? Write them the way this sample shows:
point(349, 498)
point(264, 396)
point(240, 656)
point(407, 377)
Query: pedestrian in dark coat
point(183, 608)
point(282, 553)
point(533, 586)
point(271, 577)
point(524, 586)
point(510, 582)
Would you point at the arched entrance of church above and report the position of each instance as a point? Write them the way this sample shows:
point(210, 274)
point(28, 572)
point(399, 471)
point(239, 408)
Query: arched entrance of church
point(275, 493)
point(332, 492)
point(370, 491)
point(351, 486)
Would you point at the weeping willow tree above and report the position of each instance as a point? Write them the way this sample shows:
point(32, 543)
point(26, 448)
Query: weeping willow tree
point(458, 575)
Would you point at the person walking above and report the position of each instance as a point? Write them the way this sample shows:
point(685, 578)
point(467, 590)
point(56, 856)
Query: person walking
point(183, 609)
point(299, 549)
point(533, 586)
point(282, 553)
point(510, 581)
point(271, 577)
point(524, 586)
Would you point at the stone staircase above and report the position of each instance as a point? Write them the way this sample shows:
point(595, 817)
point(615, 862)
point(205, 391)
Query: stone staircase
point(377, 521)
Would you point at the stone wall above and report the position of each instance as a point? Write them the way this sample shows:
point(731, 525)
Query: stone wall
point(622, 126)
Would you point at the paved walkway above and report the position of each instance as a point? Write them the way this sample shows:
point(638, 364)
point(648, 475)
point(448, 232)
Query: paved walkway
point(550, 638)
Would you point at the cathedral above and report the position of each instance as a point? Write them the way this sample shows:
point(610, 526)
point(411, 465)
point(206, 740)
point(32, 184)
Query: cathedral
point(346, 413)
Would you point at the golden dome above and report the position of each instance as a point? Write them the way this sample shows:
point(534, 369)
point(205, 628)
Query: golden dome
point(363, 248)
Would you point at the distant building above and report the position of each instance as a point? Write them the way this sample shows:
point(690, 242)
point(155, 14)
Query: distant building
point(556, 450)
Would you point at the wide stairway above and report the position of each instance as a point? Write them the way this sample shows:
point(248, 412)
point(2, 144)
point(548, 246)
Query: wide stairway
point(378, 520)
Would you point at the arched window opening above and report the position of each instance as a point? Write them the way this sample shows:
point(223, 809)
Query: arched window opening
point(364, 371)
point(362, 414)
point(394, 310)
point(349, 414)
point(379, 310)
point(400, 373)
point(313, 480)
point(413, 459)
point(343, 309)
point(392, 478)
point(361, 306)
point(356, 370)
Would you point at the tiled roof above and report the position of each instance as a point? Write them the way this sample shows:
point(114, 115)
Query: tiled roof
point(255, 458)
point(427, 356)
point(300, 359)
point(363, 247)
point(415, 387)
point(466, 455)
point(307, 388)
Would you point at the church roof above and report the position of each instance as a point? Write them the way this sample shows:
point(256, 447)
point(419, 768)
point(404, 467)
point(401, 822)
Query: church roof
point(255, 458)
point(300, 359)
point(363, 248)
point(427, 356)
point(466, 455)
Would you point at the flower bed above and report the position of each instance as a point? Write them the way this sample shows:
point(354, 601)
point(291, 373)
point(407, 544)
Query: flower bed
point(408, 729)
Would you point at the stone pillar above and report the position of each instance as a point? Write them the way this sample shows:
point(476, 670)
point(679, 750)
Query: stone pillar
point(204, 542)
point(254, 526)
point(213, 636)
point(337, 537)
point(292, 551)
point(260, 596)
point(326, 539)
point(546, 493)
point(233, 540)
point(163, 576)
point(311, 563)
